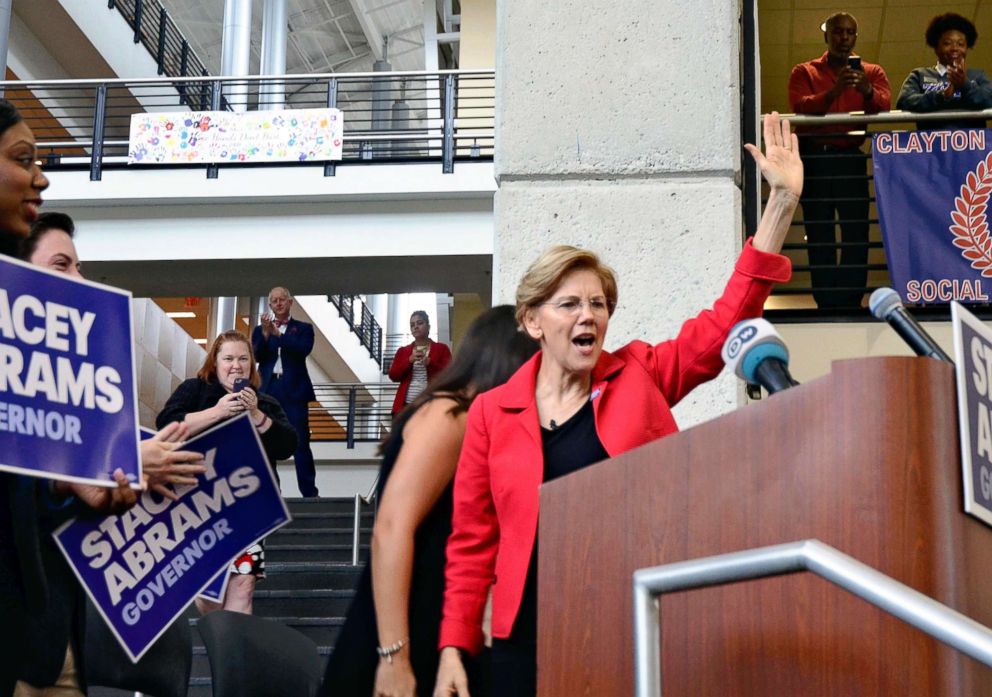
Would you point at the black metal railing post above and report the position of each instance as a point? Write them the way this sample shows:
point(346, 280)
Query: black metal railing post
point(138, 6)
point(163, 18)
point(204, 102)
point(213, 170)
point(184, 59)
point(99, 123)
point(448, 144)
point(350, 430)
point(330, 169)
point(183, 69)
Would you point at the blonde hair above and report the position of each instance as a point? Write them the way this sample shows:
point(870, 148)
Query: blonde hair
point(546, 273)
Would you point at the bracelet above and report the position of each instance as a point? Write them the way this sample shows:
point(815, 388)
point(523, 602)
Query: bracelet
point(388, 651)
point(261, 423)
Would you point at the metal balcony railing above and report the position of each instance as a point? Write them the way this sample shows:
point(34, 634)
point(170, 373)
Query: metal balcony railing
point(794, 301)
point(155, 30)
point(393, 343)
point(443, 117)
point(352, 412)
point(363, 323)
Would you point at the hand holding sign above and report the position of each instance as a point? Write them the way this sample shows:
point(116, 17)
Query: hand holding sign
point(163, 464)
point(100, 498)
point(143, 568)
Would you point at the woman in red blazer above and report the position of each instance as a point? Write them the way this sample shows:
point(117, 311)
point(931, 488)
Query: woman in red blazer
point(574, 404)
point(417, 363)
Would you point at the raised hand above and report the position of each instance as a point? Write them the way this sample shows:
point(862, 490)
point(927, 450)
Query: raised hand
point(783, 170)
point(780, 164)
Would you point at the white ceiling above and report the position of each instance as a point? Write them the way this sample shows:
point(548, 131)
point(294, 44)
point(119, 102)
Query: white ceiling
point(890, 33)
point(324, 35)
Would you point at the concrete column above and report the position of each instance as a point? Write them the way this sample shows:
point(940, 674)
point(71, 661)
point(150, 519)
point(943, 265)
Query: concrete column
point(275, 30)
point(382, 95)
point(223, 315)
point(236, 49)
point(618, 130)
point(257, 306)
point(6, 7)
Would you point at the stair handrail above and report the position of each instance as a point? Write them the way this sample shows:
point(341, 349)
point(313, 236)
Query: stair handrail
point(356, 523)
point(911, 606)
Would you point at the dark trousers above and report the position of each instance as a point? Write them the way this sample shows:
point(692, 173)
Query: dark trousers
point(298, 414)
point(835, 192)
point(514, 668)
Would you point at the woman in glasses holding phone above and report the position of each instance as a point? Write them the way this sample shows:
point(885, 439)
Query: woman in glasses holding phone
point(227, 386)
point(571, 405)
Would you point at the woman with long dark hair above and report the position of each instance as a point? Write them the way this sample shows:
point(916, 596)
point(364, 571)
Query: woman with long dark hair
point(388, 646)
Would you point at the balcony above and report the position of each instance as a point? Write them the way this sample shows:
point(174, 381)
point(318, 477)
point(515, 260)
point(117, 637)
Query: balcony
point(793, 302)
point(440, 117)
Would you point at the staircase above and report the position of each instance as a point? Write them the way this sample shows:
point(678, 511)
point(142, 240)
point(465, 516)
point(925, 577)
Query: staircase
point(309, 580)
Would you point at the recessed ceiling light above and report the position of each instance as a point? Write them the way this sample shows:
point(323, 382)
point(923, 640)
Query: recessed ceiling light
point(202, 342)
point(181, 315)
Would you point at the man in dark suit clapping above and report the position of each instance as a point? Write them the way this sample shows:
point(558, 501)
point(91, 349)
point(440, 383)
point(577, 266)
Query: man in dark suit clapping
point(281, 345)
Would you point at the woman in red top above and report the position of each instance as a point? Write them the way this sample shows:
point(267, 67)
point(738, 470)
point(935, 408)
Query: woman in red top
point(418, 362)
point(574, 404)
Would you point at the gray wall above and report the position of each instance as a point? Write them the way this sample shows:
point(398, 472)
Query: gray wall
point(165, 355)
point(618, 129)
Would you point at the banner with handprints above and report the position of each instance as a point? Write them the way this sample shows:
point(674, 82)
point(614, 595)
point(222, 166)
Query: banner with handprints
point(206, 137)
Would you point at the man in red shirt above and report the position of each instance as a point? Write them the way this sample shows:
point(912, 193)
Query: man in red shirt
point(836, 182)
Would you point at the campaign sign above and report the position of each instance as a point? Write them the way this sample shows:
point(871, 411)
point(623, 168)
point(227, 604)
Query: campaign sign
point(973, 364)
point(932, 191)
point(68, 392)
point(218, 587)
point(142, 568)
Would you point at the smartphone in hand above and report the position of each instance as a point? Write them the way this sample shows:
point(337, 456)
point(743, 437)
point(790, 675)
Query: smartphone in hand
point(240, 384)
point(854, 63)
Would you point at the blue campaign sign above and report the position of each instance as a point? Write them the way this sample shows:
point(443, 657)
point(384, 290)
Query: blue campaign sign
point(973, 366)
point(932, 191)
point(142, 568)
point(68, 392)
point(217, 588)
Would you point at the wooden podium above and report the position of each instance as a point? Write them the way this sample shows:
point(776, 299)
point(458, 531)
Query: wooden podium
point(865, 459)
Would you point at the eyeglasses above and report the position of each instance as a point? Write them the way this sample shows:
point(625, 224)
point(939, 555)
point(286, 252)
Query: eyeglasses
point(573, 306)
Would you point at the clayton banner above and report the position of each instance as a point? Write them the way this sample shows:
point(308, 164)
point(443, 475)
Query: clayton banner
point(68, 392)
point(142, 568)
point(932, 191)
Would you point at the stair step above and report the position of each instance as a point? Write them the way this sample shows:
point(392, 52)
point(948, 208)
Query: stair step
point(303, 519)
point(323, 631)
point(320, 505)
point(303, 603)
point(320, 536)
point(280, 552)
point(310, 575)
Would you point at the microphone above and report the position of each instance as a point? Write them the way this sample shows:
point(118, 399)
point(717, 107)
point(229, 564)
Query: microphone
point(886, 305)
point(757, 354)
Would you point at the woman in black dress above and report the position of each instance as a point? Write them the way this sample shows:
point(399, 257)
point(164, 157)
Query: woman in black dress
point(388, 645)
point(214, 396)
